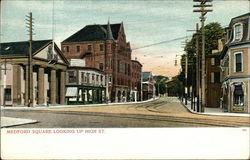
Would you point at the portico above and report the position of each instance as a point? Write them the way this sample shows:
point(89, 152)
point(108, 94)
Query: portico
point(48, 74)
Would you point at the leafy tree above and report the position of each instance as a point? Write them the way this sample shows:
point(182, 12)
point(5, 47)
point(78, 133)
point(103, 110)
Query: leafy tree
point(213, 32)
point(160, 84)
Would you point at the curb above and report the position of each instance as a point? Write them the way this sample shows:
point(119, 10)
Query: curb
point(28, 121)
point(86, 105)
point(216, 114)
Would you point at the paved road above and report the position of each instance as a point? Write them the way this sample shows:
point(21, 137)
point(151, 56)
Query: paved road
point(164, 112)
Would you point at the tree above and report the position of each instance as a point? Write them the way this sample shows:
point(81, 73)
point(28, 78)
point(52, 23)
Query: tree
point(213, 32)
point(160, 84)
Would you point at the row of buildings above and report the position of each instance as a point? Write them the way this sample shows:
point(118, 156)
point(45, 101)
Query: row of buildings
point(228, 69)
point(94, 65)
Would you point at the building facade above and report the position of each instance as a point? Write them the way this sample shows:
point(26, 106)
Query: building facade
point(148, 87)
point(136, 81)
point(85, 85)
point(213, 78)
point(104, 47)
point(47, 84)
point(235, 66)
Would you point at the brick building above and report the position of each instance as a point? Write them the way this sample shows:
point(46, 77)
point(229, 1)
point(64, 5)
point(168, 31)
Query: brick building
point(104, 47)
point(136, 84)
point(213, 82)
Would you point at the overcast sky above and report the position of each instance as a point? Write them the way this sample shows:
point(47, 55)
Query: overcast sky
point(146, 22)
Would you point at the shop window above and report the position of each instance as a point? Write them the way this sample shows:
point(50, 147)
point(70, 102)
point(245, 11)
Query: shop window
point(238, 95)
point(238, 62)
point(7, 94)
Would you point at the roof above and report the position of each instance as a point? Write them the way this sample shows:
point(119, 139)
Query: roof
point(146, 75)
point(94, 32)
point(244, 19)
point(85, 68)
point(135, 61)
point(21, 48)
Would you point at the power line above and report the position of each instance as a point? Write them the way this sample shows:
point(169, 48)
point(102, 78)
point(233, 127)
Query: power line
point(167, 41)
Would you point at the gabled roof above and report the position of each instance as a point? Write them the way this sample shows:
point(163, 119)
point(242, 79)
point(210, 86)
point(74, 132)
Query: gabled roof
point(94, 32)
point(21, 48)
point(146, 76)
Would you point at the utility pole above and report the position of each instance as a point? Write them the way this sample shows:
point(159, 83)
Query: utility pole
point(203, 12)
point(197, 70)
point(30, 70)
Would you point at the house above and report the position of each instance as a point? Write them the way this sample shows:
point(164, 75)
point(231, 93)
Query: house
point(136, 84)
point(235, 66)
point(48, 73)
point(148, 88)
point(213, 78)
point(104, 47)
point(84, 85)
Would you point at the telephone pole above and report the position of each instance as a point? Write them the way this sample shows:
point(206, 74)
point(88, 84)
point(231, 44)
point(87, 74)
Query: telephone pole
point(203, 12)
point(30, 70)
point(198, 92)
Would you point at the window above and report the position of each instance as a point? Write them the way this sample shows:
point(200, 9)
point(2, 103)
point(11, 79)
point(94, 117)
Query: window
point(88, 78)
point(7, 94)
point(72, 76)
point(82, 77)
point(212, 61)
point(101, 66)
point(101, 47)
point(238, 62)
point(217, 61)
point(93, 77)
point(89, 47)
point(212, 77)
point(110, 79)
point(77, 48)
point(101, 78)
point(238, 32)
point(216, 77)
point(238, 95)
point(97, 78)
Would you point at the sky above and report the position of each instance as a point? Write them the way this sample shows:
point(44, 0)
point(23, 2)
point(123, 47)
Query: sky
point(146, 22)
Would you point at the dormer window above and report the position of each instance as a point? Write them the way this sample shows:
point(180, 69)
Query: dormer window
point(238, 32)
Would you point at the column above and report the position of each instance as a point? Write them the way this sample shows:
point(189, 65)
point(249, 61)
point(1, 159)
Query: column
point(26, 98)
point(14, 84)
point(41, 99)
point(53, 86)
point(62, 87)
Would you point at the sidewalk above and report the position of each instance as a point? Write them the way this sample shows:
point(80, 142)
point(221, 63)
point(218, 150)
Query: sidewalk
point(9, 121)
point(214, 111)
point(83, 105)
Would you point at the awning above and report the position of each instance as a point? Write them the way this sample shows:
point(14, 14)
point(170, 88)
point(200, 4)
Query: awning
point(71, 92)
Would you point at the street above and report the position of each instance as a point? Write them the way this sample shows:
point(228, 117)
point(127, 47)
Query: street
point(164, 112)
